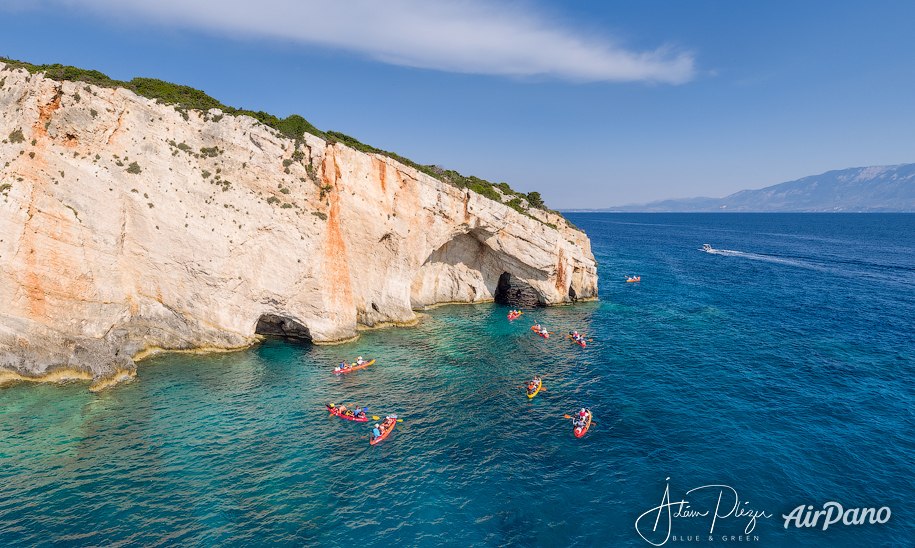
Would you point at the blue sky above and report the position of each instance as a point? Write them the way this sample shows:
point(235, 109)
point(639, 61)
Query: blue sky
point(591, 103)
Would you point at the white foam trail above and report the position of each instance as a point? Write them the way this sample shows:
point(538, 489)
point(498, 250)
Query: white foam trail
point(769, 259)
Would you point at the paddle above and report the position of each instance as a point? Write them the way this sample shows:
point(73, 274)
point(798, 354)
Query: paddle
point(594, 422)
point(375, 418)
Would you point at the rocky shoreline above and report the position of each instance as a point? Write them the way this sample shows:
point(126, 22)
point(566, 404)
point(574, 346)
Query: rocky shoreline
point(129, 225)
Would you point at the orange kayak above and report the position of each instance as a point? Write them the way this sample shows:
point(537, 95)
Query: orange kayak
point(335, 411)
point(351, 367)
point(386, 428)
point(634, 279)
point(580, 342)
point(580, 431)
point(545, 335)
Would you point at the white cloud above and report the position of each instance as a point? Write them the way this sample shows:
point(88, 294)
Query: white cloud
point(468, 36)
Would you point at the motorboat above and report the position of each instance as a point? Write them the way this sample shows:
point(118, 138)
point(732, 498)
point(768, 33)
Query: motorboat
point(707, 248)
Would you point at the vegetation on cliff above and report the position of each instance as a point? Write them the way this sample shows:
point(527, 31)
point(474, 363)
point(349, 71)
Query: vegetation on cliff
point(185, 98)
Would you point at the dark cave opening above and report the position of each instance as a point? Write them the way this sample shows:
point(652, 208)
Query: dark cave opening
point(272, 325)
point(516, 292)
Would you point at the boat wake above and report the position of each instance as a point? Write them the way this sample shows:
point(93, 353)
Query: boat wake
point(766, 258)
point(862, 270)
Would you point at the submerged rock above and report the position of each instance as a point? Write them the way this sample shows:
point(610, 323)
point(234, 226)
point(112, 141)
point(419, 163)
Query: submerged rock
point(128, 227)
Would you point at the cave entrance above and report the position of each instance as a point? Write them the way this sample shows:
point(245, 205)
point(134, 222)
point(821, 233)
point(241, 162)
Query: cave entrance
point(465, 269)
point(272, 325)
point(514, 291)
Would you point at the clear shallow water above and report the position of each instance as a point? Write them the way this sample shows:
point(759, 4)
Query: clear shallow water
point(782, 367)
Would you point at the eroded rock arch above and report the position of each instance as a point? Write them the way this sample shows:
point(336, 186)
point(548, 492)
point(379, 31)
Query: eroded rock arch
point(466, 269)
point(275, 325)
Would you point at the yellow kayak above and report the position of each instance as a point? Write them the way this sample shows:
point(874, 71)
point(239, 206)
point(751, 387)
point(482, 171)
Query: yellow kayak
point(531, 395)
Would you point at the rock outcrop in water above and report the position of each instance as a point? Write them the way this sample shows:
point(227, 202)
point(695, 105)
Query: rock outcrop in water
point(128, 227)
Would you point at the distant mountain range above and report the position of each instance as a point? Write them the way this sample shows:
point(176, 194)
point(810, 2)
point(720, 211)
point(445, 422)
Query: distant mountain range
point(857, 189)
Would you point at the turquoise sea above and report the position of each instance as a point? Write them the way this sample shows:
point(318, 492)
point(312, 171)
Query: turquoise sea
point(780, 367)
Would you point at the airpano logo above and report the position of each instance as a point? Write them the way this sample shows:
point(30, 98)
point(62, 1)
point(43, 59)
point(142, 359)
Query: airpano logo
point(833, 513)
point(729, 518)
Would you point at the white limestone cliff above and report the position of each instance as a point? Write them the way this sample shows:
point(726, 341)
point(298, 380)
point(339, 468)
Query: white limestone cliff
point(128, 227)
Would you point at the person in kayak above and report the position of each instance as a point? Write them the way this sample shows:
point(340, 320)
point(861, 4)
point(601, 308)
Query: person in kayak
point(360, 412)
point(376, 432)
point(359, 361)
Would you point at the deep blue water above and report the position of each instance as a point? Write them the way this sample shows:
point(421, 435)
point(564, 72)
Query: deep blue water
point(781, 367)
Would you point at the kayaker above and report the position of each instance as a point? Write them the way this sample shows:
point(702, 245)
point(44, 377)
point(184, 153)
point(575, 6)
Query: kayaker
point(359, 361)
point(376, 432)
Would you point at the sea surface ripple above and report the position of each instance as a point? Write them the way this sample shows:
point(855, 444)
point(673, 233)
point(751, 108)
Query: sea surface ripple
point(781, 366)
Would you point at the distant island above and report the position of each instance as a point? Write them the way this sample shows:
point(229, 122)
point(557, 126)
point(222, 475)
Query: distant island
point(857, 190)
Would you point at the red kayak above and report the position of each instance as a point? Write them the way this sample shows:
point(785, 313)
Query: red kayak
point(580, 431)
point(580, 341)
point(540, 331)
point(353, 367)
point(514, 316)
point(335, 411)
point(386, 428)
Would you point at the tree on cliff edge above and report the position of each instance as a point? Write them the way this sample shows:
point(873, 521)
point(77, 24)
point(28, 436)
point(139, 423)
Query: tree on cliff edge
point(534, 199)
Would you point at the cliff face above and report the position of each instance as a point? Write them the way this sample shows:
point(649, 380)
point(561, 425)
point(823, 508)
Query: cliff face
point(127, 226)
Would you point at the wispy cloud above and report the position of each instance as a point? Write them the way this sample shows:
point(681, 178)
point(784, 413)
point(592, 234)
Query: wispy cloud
point(468, 36)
